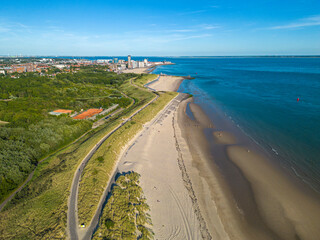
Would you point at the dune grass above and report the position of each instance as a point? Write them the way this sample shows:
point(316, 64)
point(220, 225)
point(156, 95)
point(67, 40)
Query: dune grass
point(99, 169)
point(125, 215)
point(144, 79)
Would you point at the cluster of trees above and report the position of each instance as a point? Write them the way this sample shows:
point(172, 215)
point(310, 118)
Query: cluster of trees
point(21, 148)
point(125, 214)
point(31, 132)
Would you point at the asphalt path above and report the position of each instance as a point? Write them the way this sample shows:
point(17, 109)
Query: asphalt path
point(72, 215)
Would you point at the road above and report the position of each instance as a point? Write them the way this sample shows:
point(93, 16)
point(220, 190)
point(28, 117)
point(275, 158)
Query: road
point(72, 215)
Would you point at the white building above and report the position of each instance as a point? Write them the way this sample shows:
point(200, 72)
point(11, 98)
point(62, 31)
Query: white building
point(134, 64)
point(141, 64)
point(60, 66)
point(2, 72)
point(103, 60)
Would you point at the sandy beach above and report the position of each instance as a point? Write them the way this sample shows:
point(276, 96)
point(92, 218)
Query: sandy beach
point(202, 182)
point(167, 83)
point(154, 155)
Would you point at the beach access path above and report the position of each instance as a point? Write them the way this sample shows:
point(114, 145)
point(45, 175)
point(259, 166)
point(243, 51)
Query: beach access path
point(72, 216)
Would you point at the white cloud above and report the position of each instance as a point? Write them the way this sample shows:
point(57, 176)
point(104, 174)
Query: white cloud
point(192, 12)
point(4, 29)
point(305, 22)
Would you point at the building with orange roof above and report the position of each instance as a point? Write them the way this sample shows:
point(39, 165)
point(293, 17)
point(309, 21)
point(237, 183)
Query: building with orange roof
point(63, 111)
point(60, 111)
point(89, 113)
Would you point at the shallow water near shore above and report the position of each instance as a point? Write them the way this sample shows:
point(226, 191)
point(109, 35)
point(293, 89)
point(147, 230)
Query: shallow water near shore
point(260, 97)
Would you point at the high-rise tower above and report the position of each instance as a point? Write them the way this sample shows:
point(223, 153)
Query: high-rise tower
point(129, 61)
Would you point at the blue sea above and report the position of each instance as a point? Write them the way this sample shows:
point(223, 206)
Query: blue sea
point(274, 101)
point(261, 96)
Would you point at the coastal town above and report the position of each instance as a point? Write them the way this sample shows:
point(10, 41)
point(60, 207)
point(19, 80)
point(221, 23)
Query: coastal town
point(52, 66)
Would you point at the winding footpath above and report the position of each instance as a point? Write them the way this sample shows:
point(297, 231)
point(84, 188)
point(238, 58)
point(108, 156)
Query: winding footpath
point(72, 215)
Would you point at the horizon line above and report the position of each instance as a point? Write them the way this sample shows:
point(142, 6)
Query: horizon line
point(172, 56)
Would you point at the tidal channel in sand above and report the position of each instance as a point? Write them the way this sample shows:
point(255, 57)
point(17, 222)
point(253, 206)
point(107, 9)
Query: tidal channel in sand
point(237, 184)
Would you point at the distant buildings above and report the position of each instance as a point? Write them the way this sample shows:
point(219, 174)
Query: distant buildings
point(44, 65)
point(101, 61)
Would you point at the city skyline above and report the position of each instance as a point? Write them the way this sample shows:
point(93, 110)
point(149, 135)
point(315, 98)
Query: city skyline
point(170, 28)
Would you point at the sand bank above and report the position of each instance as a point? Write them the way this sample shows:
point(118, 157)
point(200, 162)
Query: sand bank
point(223, 137)
point(167, 83)
point(240, 193)
point(215, 201)
point(291, 212)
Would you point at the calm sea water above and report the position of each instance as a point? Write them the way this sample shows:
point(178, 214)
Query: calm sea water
point(260, 95)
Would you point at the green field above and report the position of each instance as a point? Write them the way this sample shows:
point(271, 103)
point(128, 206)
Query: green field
point(144, 79)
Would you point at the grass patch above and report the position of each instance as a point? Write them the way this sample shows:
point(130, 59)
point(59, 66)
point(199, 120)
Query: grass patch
point(125, 214)
point(92, 186)
point(144, 79)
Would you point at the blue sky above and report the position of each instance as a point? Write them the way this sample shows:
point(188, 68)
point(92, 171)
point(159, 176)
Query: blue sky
point(160, 28)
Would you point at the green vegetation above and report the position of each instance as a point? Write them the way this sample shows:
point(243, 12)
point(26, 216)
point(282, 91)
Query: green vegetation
point(39, 211)
point(125, 214)
point(32, 133)
point(97, 173)
point(144, 79)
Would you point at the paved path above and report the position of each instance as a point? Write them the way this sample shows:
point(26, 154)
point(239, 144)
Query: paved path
point(72, 216)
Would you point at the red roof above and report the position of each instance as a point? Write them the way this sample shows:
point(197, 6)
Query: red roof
point(62, 111)
point(88, 113)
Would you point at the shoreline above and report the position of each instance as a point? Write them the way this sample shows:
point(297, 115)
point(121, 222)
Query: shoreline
point(246, 188)
point(233, 190)
point(154, 155)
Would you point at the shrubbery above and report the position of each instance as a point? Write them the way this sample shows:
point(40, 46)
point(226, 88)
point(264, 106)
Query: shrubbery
point(125, 214)
point(21, 148)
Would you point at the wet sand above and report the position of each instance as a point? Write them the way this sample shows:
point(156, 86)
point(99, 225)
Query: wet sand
point(241, 194)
